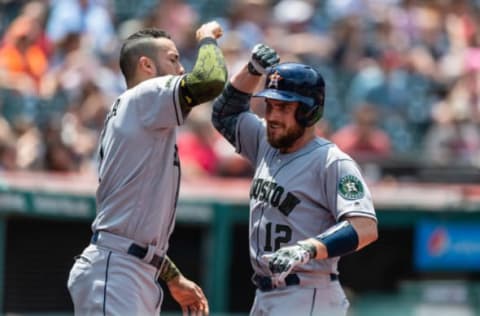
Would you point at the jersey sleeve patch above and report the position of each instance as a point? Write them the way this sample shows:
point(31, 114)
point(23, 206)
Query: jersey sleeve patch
point(351, 188)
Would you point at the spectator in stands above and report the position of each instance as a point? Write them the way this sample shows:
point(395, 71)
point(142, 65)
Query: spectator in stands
point(177, 17)
point(249, 19)
point(8, 151)
point(58, 155)
point(293, 33)
point(29, 144)
point(392, 54)
point(38, 10)
point(454, 137)
point(196, 146)
point(203, 152)
point(22, 61)
point(362, 138)
point(59, 158)
point(231, 164)
point(8, 156)
point(89, 18)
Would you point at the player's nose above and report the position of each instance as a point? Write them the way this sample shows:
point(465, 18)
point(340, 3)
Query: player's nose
point(181, 69)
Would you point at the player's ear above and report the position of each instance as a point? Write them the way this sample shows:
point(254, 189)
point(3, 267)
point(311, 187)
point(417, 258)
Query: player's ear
point(146, 65)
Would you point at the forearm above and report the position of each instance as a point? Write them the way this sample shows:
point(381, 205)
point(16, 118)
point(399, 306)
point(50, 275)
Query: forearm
point(226, 108)
point(208, 76)
point(343, 238)
point(169, 270)
point(244, 81)
point(233, 101)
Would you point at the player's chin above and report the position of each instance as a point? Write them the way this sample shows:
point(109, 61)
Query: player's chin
point(274, 132)
point(274, 141)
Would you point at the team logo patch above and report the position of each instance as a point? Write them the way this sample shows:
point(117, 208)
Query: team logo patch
point(351, 188)
point(274, 78)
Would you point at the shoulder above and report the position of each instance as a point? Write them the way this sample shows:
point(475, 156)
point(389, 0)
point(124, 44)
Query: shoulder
point(153, 90)
point(323, 152)
point(158, 83)
point(335, 154)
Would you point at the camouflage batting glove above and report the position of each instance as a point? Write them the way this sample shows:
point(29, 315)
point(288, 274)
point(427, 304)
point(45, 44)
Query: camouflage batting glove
point(262, 58)
point(282, 262)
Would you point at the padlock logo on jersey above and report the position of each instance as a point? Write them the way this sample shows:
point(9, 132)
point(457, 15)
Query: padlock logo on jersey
point(351, 188)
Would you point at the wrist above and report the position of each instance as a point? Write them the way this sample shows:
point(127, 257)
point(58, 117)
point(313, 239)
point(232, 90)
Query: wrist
point(339, 240)
point(207, 40)
point(310, 248)
point(252, 70)
point(174, 280)
point(169, 271)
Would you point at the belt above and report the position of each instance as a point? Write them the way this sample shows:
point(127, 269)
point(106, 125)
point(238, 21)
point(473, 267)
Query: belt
point(265, 284)
point(134, 250)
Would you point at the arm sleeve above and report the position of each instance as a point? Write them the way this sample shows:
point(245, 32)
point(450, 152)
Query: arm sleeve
point(208, 77)
point(165, 101)
point(232, 118)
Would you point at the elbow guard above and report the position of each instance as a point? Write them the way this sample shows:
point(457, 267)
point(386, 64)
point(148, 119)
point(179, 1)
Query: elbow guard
point(340, 239)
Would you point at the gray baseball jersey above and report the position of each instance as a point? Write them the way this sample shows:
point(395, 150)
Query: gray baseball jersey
point(139, 170)
point(297, 195)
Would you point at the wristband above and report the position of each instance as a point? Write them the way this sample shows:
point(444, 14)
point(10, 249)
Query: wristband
point(340, 239)
point(169, 270)
point(207, 40)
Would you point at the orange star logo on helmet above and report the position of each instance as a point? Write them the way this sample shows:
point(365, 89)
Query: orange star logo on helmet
point(274, 78)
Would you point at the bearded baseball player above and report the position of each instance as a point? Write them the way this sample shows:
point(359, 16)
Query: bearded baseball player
point(309, 204)
point(139, 175)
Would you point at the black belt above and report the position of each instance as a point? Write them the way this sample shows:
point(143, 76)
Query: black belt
point(137, 251)
point(265, 284)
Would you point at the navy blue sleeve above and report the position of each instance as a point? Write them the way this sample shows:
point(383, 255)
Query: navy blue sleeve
point(226, 109)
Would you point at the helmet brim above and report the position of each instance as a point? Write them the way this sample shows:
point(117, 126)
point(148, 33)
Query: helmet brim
point(286, 96)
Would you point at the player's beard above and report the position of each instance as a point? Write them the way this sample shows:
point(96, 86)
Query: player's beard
point(287, 139)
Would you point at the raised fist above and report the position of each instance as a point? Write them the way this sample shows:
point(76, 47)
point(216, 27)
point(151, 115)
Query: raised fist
point(210, 29)
point(262, 58)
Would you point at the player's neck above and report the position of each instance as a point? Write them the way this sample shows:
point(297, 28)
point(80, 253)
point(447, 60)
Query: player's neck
point(139, 78)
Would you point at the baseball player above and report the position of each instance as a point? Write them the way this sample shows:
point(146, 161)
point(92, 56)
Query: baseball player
point(139, 175)
point(309, 204)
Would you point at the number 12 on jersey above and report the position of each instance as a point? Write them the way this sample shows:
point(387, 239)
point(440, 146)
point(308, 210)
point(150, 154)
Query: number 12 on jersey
point(283, 235)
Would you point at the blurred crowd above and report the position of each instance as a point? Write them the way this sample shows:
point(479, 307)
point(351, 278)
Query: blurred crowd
point(403, 76)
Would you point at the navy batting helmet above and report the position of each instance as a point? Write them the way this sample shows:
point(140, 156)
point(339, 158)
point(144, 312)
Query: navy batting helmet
point(295, 82)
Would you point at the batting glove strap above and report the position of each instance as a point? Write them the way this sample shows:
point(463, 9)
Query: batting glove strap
point(310, 248)
point(252, 69)
point(262, 58)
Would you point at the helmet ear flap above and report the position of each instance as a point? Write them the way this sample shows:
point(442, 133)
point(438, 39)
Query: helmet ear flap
point(306, 115)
